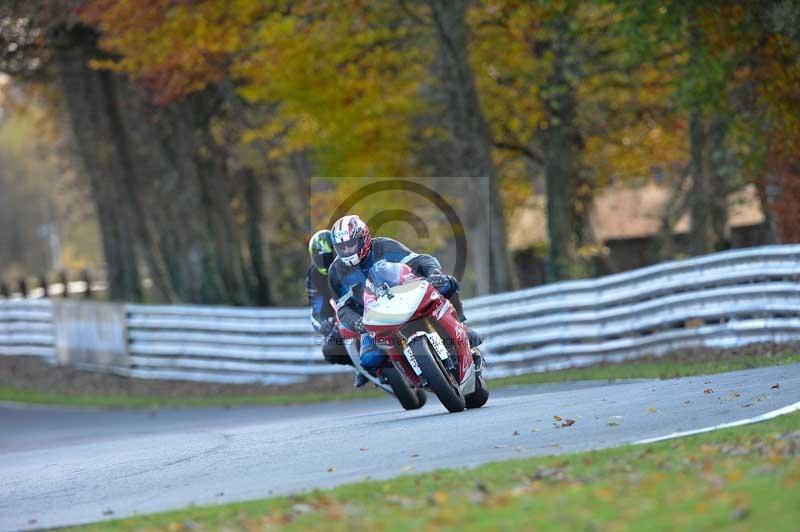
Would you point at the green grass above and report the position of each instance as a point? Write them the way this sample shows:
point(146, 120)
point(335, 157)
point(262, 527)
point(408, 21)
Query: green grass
point(658, 369)
point(39, 397)
point(747, 478)
point(654, 369)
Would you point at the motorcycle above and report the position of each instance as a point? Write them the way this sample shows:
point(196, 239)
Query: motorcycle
point(419, 330)
point(388, 379)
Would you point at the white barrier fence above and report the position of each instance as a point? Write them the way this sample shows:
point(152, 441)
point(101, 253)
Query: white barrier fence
point(723, 300)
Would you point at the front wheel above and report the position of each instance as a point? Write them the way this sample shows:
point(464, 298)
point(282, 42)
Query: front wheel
point(409, 398)
point(479, 397)
point(439, 379)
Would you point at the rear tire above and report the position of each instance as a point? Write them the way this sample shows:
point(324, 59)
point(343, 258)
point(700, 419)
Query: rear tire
point(437, 376)
point(422, 396)
point(479, 397)
point(408, 397)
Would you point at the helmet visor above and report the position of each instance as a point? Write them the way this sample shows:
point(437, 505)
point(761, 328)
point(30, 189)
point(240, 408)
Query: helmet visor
point(349, 247)
point(323, 260)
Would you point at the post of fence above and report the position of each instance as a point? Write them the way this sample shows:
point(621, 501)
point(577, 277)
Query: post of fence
point(44, 286)
point(64, 280)
point(5, 291)
point(23, 287)
point(87, 278)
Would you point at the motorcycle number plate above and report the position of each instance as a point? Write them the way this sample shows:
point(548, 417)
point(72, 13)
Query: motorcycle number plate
point(412, 360)
point(438, 346)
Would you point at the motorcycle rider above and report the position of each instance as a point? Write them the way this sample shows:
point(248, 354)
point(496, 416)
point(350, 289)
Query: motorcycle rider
point(323, 318)
point(356, 252)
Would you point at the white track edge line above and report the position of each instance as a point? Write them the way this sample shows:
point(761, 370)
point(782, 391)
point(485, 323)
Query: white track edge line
point(763, 417)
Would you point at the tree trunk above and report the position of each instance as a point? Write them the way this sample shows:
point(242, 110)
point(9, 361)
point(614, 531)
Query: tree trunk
point(707, 166)
point(162, 185)
point(699, 234)
point(471, 148)
point(255, 218)
point(85, 96)
point(719, 183)
point(562, 145)
point(150, 247)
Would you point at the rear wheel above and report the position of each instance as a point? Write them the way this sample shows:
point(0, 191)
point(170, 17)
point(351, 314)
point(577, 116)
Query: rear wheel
point(439, 379)
point(409, 398)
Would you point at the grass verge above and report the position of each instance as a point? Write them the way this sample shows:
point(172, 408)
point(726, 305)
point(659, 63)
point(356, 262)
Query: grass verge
point(658, 368)
point(747, 478)
point(39, 397)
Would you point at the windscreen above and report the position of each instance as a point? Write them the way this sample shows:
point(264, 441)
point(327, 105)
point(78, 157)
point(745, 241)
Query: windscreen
point(385, 273)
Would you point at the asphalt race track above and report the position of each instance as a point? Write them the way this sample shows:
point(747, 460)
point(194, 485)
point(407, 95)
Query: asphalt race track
point(67, 466)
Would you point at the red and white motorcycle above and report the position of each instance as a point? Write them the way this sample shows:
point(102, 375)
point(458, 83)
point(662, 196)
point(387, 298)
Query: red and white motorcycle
point(420, 332)
point(388, 379)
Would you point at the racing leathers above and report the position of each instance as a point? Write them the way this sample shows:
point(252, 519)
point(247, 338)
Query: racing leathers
point(323, 317)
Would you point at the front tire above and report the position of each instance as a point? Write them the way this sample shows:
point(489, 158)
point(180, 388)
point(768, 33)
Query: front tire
point(439, 379)
point(409, 398)
point(479, 397)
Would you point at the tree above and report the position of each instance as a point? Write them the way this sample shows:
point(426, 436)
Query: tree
point(471, 145)
point(569, 98)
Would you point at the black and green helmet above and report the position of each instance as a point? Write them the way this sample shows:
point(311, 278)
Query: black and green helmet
point(320, 247)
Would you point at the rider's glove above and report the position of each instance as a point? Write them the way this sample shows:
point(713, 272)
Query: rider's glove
point(326, 327)
point(444, 284)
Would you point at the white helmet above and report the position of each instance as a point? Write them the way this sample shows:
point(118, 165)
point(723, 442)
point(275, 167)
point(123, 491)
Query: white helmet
point(351, 239)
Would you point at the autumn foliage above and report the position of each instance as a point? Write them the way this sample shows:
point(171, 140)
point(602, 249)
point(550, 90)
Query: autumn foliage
point(244, 100)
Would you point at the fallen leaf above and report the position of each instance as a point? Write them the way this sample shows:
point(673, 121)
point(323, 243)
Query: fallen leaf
point(613, 421)
point(687, 402)
point(734, 395)
point(220, 494)
point(651, 410)
point(557, 418)
point(331, 469)
point(748, 404)
point(735, 476)
point(776, 386)
point(439, 497)
point(534, 430)
point(414, 455)
point(568, 423)
point(363, 449)
point(708, 390)
point(515, 433)
point(108, 512)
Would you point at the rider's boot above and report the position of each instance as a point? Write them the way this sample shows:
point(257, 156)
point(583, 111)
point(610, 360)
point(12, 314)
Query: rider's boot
point(360, 381)
point(475, 338)
point(371, 359)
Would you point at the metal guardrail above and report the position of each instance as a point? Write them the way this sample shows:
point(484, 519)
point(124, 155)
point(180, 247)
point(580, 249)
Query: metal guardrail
point(727, 299)
point(26, 328)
